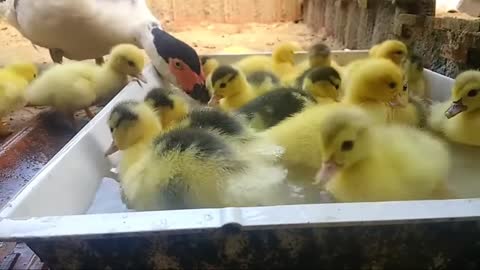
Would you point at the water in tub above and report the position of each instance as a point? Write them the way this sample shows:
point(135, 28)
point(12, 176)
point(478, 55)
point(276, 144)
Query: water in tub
point(108, 198)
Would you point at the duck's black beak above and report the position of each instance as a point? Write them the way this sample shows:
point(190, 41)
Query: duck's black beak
point(200, 93)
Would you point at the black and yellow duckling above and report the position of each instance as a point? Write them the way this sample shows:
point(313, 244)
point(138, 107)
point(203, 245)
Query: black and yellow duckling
point(187, 167)
point(271, 108)
point(323, 84)
point(231, 89)
point(319, 55)
point(170, 108)
point(263, 81)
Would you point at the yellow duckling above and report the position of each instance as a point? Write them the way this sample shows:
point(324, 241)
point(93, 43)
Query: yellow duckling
point(299, 136)
point(319, 55)
point(186, 167)
point(125, 60)
point(323, 84)
point(394, 50)
point(459, 118)
point(275, 106)
point(375, 87)
point(410, 110)
point(209, 65)
point(170, 108)
point(366, 162)
point(230, 88)
point(14, 79)
point(416, 78)
point(77, 85)
point(281, 63)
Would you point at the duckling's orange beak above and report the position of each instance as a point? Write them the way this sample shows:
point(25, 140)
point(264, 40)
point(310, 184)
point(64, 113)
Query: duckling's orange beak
point(457, 107)
point(111, 150)
point(327, 171)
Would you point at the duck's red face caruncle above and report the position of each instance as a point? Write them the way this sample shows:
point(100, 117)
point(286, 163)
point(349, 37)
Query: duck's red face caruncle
point(183, 63)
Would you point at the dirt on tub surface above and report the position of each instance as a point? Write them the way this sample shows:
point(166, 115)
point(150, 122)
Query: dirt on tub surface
point(204, 37)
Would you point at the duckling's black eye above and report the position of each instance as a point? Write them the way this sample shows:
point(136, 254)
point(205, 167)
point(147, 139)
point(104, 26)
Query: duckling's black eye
point(398, 52)
point(223, 85)
point(347, 146)
point(405, 87)
point(392, 85)
point(472, 93)
point(34, 75)
point(130, 63)
point(111, 129)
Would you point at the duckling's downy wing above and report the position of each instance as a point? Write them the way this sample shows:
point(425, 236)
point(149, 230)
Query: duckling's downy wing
point(82, 29)
point(275, 106)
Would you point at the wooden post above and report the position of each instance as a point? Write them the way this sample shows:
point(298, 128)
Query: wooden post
point(366, 23)
point(340, 20)
point(330, 17)
point(351, 28)
point(384, 19)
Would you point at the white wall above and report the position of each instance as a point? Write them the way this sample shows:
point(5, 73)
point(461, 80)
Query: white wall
point(445, 5)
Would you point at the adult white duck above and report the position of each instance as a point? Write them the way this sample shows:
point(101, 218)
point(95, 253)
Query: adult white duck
point(88, 29)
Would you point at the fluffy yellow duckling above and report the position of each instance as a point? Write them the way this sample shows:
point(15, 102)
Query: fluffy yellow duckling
point(77, 85)
point(459, 118)
point(273, 107)
point(411, 110)
point(14, 79)
point(125, 60)
point(415, 77)
point(375, 87)
point(170, 108)
point(367, 162)
point(230, 88)
point(323, 84)
point(394, 50)
point(281, 63)
point(186, 167)
point(209, 64)
point(299, 136)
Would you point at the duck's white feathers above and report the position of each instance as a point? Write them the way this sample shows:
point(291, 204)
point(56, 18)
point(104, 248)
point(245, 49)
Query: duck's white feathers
point(82, 29)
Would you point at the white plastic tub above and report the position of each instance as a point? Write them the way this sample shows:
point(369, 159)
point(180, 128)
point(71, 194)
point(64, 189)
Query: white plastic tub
point(49, 212)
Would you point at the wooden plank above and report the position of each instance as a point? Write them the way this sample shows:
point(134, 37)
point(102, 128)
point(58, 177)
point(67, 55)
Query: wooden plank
point(330, 17)
point(366, 25)
point(188, 11)
point(265, 11)
point(351, 29)
point(340, 20)
point(384, 20)
point(229, 11)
